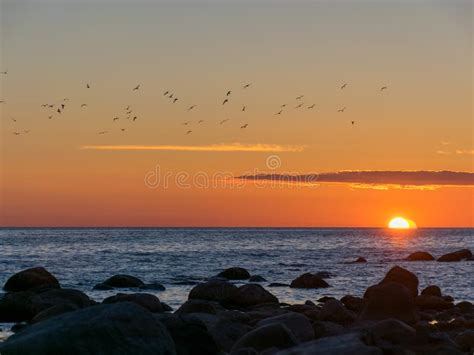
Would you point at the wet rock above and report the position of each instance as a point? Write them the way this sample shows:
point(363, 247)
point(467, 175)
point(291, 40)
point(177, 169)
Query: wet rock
point(54, 311)
point(226, 332)
point(218, 291)
point(251, 295)
point(324, 299)
point(346, 344)
point(465, 340)
point(145, 300)
point(401, 276)
point(459, 255)
point(123, 328)
point(426, 302)
point(256, 278)
point(102, 287)
point(420, 256)
point(390, 300)
point(308, 280)
point(335, 311)
point(235, 273)
point(199, 306)
point(269, 336)
point(326, 329)
point(431, 291)
point(153, 286)
point(278, 284)
point(123, 281)
point(189, 334)
point(391, 330)
point(465, 306)
point(297, 323)
point(16, 307)
point(354, 303)
point(55, 297)
point(31, 279)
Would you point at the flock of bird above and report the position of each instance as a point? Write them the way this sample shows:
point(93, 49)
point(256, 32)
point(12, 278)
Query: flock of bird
point(58, 109)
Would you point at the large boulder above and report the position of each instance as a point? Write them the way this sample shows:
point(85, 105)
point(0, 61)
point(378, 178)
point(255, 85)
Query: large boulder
point(297, 323)
point(308, 280)
point(54, 311)
point(420, 256)
point(123, 328)
point(146, 300)
point(432, 290)
point(269, 336)
point(219, 291)
point(199, 306)
point(401, 276)
point(390, 300)
point(465, 340)
point(123, 281)
point(334, 311)
point(54, 297)
point(347, 344)
point(391, 331)
point(430, 302)
point(226, 332)
point(31, 279)
point(234, 273)
point(354, 303)
point(463, 254)
point(252, 295)
point(16, 307)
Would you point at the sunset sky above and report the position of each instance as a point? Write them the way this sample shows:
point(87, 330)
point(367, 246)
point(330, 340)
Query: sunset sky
point(64, 173)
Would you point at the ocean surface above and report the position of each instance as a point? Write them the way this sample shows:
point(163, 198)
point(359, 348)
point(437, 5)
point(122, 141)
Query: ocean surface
point(177, 258)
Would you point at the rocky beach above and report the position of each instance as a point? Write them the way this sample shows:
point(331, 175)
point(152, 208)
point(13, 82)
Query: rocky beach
point(393, 316)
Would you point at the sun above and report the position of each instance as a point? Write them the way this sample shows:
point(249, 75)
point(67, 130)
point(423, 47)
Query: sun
point(401, 223)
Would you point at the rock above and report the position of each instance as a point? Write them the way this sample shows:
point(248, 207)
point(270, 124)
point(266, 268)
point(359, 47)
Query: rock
point(278, 284)
point(391, 330)
point(347, 344)
point(31, 279)
point(390, 300)
point(199, 306)
point(465, 340)
point(354, 303)
point(218, 291)
point(335, 311)
point(153, 286)
point(399, 275)
point(235, 273)
point(54, 311)
point(426, 302)
point(274, 335)
point(54, 297)
point(252, 295)
point(297, 323)
point(123, 328)
point(456, 256)
point(420, 256)
point(326, 329)
point(464, 306)
point(226, 332)
point(308, 280)
point(431, 291)
point(324, 299)
point(189, 334)
point(16, 307)
point(256, 278)
point(146, 300)
point(102, 287)
point(123, 281)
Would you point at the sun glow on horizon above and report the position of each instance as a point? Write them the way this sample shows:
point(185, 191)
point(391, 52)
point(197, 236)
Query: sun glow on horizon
point(401, 223)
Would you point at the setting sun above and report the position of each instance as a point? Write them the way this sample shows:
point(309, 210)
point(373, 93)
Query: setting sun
point(401, 223)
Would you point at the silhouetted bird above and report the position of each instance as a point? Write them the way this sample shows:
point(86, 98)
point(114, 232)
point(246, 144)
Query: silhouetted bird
point(66, 99)
point(343, 86)
point(27, 131)
point(223, 121)
point(228, 93)
point(284, 105)
point(88, 86)
point(103, 132)
point(191, 107)
point(2, 101)
point(225, 101)
point(244, 126)
point(200, 121)
point(50, 117)
point(188, 132)
point(84, 105)
point(341, 110)
point(134, 118)
point(166, 93)
point(62, 106)
point(175, 99)
point(14, 119)
point(122, 129)
point(4, 72)
point(243, 108)
point(50, 106)
point(136, 87)
point(185, 123)
point(279, 112)
point(299, 105)
point(300, 97)
point(58, 111)
point(352, 122)
point(115, 119)
point(171, 96)
point(44, 105)
point(247, 85)
point(127, 108)
point(312, 106)
point(383, 88)
point(16, 133)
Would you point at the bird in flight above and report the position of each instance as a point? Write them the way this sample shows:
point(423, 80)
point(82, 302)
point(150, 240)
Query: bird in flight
point(188, 132)
point(122, 129)
point(103, 132)
point(16, 133)
point(129, 112)
point(4, 72)
point(127, 108)
point(299, 106)
point(185, 123)
point(27, 131)
point(342, 109)
point(312, 106)
point(44, 105)
point(243, 108)
point(50, 117)
point(223, 121)
point(134, 118)
point(300, 97)
point(383, 88)
point(66, 99)
point(247, 85)
point(136, 87)
point(14, 119)
point(200, 121)
point(115, 119)
point(166, 93)
point(175, 99)
point(343, 86)
point(284, 105)
point(228, 93)
point(2, 102)
point(191, 107)
point(88, 86)
point(58, 111)
point(225, 101)
point(62, 106)
point(244, 126)
point(50, 106)
point(84, 105)
point(352, 122)
point(279, 112)
point(171, 96)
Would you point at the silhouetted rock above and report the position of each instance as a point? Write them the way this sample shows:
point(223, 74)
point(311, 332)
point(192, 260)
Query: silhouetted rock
point(54, 311)
point(235, 273)
point(31, 279)
point(459, 255)
point(432, 290)
point(297, 323)
point(54, 297)
point(218, 291)
point(390, 300)
point(391, 330)
point(153, 286)
point(123, 328)
point(465, 306)
point(335, 311)
point(256, 278)
point(251, 295)
point(324, 299)
point(308, 280)
point(465, 340)
point(226, 332)
point(102, 287)
point(199, 306)
point(420, 256)
point(354, 303)
point(16, 307)
point(399, 275)
point(123, 281)
point(146, 300)
point(274, 335)
point(427, 302)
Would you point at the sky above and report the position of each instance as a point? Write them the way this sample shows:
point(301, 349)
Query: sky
point(232, 169)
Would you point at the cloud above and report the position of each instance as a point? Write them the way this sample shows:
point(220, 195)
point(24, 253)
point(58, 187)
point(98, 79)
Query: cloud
point(465, 151)
point(442, 152)
point(377, 179)
point(234, 147)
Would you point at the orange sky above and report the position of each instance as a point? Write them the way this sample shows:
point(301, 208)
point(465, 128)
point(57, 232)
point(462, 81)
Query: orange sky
point(422, 51)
